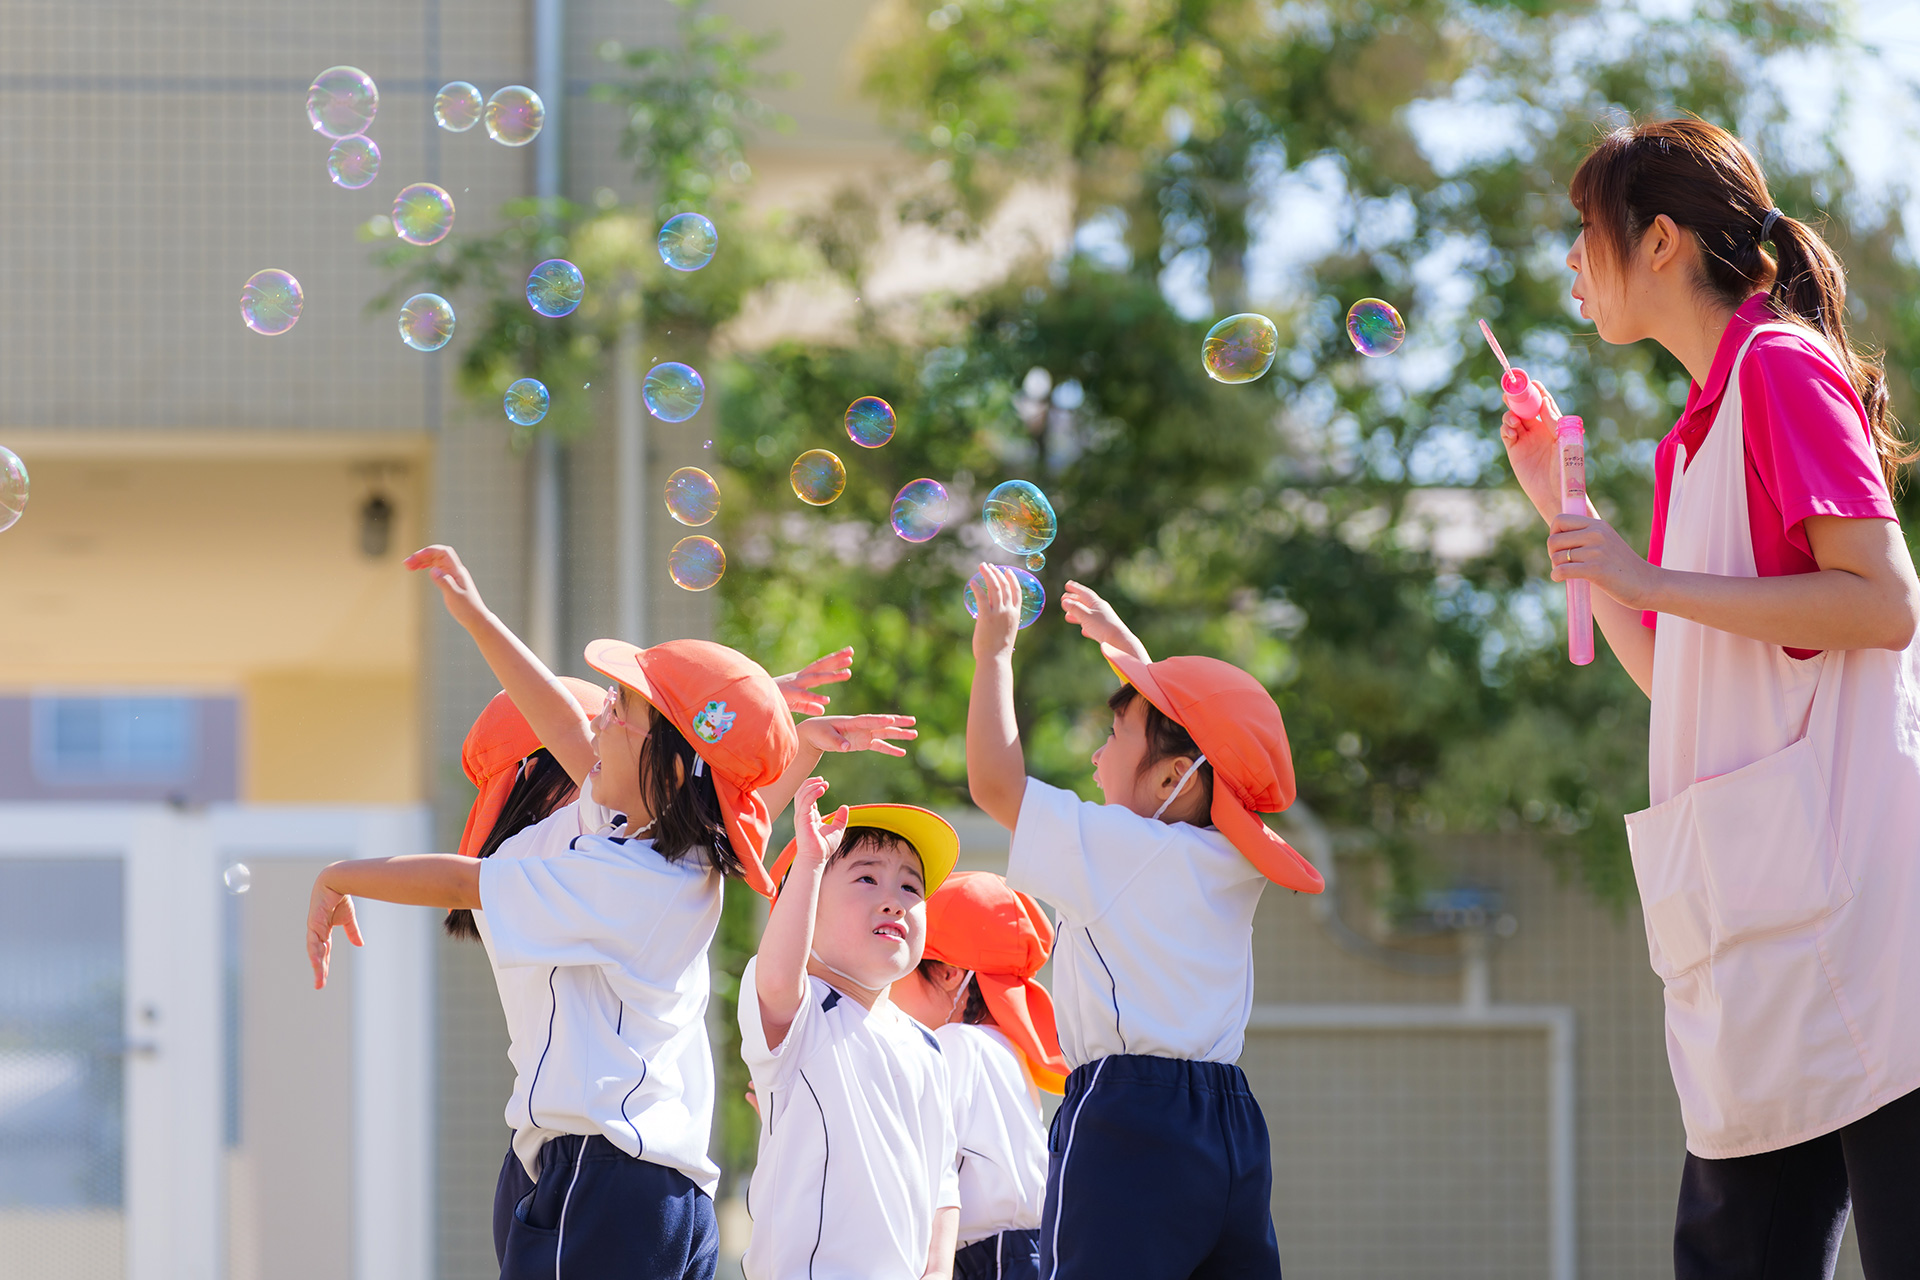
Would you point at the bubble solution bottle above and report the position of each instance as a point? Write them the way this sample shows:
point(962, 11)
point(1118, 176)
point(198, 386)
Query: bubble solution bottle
point(1572, 437)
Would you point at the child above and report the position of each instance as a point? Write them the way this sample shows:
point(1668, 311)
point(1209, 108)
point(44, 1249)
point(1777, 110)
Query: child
point(995, 1026)
point(1159, 1163)
point(856, 1175)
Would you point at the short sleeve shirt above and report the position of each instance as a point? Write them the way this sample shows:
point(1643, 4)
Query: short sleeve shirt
point(1002, 1144)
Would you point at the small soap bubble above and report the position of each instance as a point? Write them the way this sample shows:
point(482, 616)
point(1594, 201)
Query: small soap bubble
point(696, 563)
point(1033, 596)
point(514, 116)
point(692, 496)
point(673, 392)
point(555, 287)
point(870, 422)
point(457, 107)
point(1375, 327)
point(920, 510)
point(1036, 562)
point(238, 878)
point(818, 477)
point(1240, 348)
point(688, 241)
point(422, 214)
point(426, 321)
point(1019, 518)
point(526, 402)
point(270, 302)
point(13, 488)
point(342, 101)
point(353, 162)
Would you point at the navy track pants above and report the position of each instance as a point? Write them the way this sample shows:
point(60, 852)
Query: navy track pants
point(598, 1213)
point(1011, 1255)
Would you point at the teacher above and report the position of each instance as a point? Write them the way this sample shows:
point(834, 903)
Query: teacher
point(1772, 624)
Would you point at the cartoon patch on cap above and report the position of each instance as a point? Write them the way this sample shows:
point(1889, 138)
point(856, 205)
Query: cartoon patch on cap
point(713, 722)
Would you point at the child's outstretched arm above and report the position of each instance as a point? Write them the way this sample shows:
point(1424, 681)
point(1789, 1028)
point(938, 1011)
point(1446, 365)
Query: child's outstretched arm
point(946, 1236)
point(780, 975)
point(996, 766)
point(422, 880)
point(797, 686)
point(822, 734)
point(555, 717)
point(1097, 620)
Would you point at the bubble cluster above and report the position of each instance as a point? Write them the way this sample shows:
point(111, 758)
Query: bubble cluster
point(342, 101)
point(426, 321)
point(1019, 518)
point(673, 392)
point(353, 162)
point(920, 510)
point(1033, 596)
point(270, 302)
point(457, 107)
point(688, 241)
point(514, 116)
point(422, 213)
point(870, 422)
point(238, 878)
point(692, 496)
point(1240, 348)
point(13, 488)
point(818, 477)
point(696, 563)
point(526, 402)
point(1375, 327)
point(555, 287)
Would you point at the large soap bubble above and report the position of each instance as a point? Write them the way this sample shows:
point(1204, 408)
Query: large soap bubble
point(270, 302)
point(1375, 327)
point(1019, 518)
point(342, 101)
point(426, 322)
point(514, 116)
point(1240, 348)
point(555, 287)
point(688, 241)
point(526, 402)
point(920, 509)
point(457, 107)
point(818, 477)
point(353, 162)
point(696, 563)
point(673, 392)
point(1033, 596)
point(13, 488)
point(870, 422)
point(422, 213)
point(692, 496)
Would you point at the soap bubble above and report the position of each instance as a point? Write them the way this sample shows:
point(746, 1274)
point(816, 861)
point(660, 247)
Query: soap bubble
point(422, 214)
point(514, 116)
point(696, 563)
point(13, 488)
point(1036, 562)
point(920, 510)
point(1019, 518)
point(1033, 596)
point(817, 477)
point(1240, 348)
point(270, 302)
point(673, 392)
point(353, 162)
point(457, 107)
point(692, 496)
point(342, 101)
point(870, 422)
point(426, 322)
point(688, 241)
point(238, 878)
point(526, 402)
point(555, 287)
point(1375, 327)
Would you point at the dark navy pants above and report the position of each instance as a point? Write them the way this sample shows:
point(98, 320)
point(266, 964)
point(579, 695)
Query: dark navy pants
point(1011, 1255)
point(1158, 1169)
point(598, 1213)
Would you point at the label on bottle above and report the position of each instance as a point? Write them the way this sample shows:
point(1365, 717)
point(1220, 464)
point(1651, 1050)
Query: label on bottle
point(1573, 475)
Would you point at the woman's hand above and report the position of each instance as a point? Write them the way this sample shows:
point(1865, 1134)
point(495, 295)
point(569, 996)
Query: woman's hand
point(1098, 621)
point(875, 733)
point(795, 686)
point(1533, 451)
point(325, 909)
point(457, 589)
point(1587, 547)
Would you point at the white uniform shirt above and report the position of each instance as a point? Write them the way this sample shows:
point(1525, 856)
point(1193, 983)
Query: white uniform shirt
point(599, 947)
point(1154, 946)
point(1003, 1144)
point(856, 1140)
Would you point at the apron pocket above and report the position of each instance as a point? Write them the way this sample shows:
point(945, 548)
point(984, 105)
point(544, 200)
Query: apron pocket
point(1766, 839)
point(1673, 888)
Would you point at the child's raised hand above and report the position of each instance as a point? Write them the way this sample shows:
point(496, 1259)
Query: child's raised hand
point(325, 909)
point(817, 840)
point(795, 686)
point(456, 585)
point(1098, 620)
point(856, 733)
point(997, 593)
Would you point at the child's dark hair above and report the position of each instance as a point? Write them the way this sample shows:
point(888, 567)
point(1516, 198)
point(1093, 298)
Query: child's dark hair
point(1167, 739)
point(862, 837)
point(686, 808)
point(542, 787)
point(975, 1012)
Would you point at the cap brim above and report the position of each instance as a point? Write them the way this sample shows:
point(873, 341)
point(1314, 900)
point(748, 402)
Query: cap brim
point(931, 836)
point(618, 660)
point(1140, 675)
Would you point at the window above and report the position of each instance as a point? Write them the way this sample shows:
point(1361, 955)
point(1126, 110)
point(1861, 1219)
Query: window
point(115, 739)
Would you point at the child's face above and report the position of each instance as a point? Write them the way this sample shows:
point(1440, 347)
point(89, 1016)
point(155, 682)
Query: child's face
point(619, 736)
point(872, 920)
point(1117, 763)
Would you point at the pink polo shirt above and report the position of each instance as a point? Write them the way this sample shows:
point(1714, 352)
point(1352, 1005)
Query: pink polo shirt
point(1808, 449)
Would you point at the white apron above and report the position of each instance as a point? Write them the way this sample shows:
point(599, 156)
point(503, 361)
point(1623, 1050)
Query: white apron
point(1779, 866)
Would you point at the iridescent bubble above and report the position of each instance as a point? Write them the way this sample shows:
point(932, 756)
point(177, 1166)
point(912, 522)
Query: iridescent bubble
point(1033, 596)
point(920, 510)
point(870, 422)
point(555, 287)
point(673, 392)
point(692, 496)
point(342, 101)
point(1036, 562)
point(270, 302)
point(13, 488)
point(238, 878)
point(1019, 518)
point(696, 563)
point(688, 241)
point(353, 162)
point(817, 477)
point(1240, 348)
point(1375, 327)
point(426, 322)
point(526, 402)
point(457, 107)
point(422, 214)
point(514, 116)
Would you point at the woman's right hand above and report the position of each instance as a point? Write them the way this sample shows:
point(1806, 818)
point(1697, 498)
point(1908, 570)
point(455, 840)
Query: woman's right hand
point(1533, 451)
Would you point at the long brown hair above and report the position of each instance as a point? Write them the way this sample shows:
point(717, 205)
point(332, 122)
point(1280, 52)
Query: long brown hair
point(1701, 176)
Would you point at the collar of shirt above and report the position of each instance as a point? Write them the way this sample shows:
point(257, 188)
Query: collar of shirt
point(1704, 401)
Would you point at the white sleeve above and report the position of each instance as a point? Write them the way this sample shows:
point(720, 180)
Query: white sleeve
point(771, 1068)
point(1076, 855)
point(582, 907)
point(949, 1196)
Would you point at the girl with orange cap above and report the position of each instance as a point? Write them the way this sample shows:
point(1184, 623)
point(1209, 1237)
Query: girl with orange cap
point(976, 989)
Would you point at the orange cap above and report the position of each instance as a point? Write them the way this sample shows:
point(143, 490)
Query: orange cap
point(1233, 720)
point(731, 713)
point(974, 921)
point(499, 740)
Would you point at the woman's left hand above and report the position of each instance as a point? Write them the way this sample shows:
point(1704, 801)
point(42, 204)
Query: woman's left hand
point(1587, 547)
